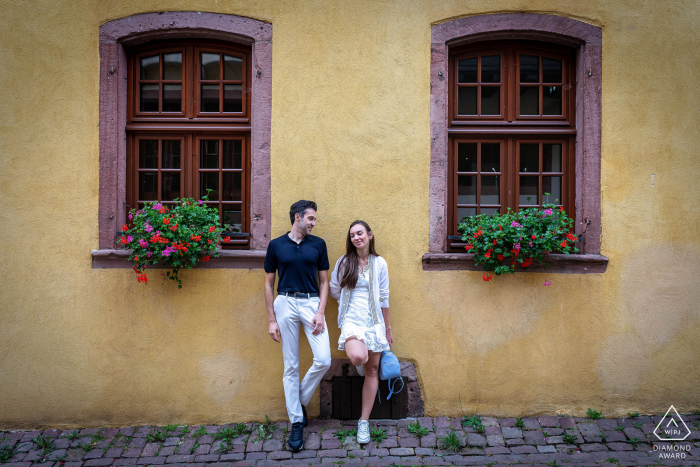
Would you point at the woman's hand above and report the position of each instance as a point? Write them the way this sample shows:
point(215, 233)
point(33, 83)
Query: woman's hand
point(389, 337)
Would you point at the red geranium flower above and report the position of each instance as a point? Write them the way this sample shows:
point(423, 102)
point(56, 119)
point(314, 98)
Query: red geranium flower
point(206, 258)
point(227, 239)
point(166, 220)
point(212, 228)
point(125, 228)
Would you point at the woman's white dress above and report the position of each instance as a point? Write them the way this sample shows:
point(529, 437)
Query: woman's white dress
point(357, 321)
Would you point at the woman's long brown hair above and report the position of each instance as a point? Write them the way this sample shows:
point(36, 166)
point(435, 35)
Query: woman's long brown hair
point(349, 269)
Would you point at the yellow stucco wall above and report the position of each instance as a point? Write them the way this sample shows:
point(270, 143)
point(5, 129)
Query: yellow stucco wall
point(350, 129)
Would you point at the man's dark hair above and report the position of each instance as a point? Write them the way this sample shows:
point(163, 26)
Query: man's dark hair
point(300, 207)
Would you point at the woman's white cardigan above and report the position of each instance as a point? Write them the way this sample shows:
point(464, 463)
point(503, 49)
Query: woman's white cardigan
point(379, 291)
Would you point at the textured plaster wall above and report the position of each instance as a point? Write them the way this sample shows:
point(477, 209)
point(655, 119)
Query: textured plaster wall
point(350, 129)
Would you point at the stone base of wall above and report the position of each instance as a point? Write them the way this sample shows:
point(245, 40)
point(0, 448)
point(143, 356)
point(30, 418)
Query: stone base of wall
point(408, 373)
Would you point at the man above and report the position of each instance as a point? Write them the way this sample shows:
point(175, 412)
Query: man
point(302, 262)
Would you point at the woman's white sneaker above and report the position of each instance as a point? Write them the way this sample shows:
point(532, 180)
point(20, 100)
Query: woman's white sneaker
point(363, 432)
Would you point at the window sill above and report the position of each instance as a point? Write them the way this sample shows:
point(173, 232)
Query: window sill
point(558, 263)
point(228, 259)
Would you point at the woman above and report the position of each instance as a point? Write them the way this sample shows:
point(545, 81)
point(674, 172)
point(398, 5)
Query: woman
point(360, 282)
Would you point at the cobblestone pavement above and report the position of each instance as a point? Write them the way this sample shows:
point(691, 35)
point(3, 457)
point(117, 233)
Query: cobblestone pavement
point(540, 441)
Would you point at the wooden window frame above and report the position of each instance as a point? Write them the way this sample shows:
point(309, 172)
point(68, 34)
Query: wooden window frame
point(190, 126)
point(119, 35)
point(509, 129)
point(586, 40)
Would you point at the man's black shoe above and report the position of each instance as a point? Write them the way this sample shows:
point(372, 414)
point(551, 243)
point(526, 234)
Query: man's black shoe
point(306, 418)
point(296, 437)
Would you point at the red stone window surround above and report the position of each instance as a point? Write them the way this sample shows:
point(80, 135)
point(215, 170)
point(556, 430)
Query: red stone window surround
point(115, 37)
point(586, 39)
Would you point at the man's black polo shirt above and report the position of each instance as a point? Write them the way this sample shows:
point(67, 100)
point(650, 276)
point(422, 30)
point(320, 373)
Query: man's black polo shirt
point(297, 264)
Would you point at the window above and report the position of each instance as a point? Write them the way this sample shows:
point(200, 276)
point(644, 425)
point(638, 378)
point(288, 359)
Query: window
point(501, 107)
point(512, 129)
point(188, 128)
point(167, 123)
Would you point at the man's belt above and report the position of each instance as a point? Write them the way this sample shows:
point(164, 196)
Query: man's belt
point(299, 294)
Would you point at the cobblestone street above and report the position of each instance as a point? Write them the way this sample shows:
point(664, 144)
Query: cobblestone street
point(545, 440)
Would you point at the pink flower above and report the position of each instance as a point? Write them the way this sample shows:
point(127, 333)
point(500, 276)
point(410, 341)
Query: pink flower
point(516, 246)
point(157, 206)
point(548, 212)
point(131, 216)
point(143, 243)
point(148, 227)
point(168, 250)
point(531, 244)
point(547, 282)
point(129, 238)
point(515, 224)
point(200, 202)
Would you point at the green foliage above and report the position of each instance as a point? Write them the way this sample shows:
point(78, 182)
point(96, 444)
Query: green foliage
point(612, 460)
point(169, 428)
point(342, 434)
point(553, 464)
point(176, 236)
point(87, 447)
point(228, 433)
point(378, 434)
point(502, 241)
point(635, 441)
point(158, 436)
point(417, 430)
point(201, 431)
point(570, 438)
point(6, 452)
point(474, 421)
point(594, 414)
point(264, 430)
point(74, 435)
point(638, 426)
point(450, 442)
point(184, 430)
point(633, 414)
point(44, 442)
point(519, 423)
point(620, 428)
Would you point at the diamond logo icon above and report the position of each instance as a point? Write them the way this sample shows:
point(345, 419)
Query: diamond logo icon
point(672, 427)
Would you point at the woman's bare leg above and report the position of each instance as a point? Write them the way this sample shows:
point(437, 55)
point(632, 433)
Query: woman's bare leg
point(356, 350)
point(369, 389)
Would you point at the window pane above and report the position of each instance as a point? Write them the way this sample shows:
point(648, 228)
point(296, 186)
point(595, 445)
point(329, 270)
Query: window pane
point(466, 189)
point(490, 190)
point(551, 185)
point(171, 185)
point(172, 66)
point(465, 212)
point(210, 66)
point(232, 154)
point(491, 69)
point(489, 211)
point(232, 216)
point(210, 98)
point(233, 67)
point(551, 70)
point(467, 71)
point(148, 186)
point(529, 101)
point(149, 98)
point(529, 157)
point(209, 180)
point(233, 98)
point(551, 157)
point(551, 100)
point(209, 154)
point(529, 191)
point(232, 186)
point(490, 157)
point(466, 157)
point(150, 67)
point(148, 154)
point(490, 101)
point(172, 98)
point(171, 154)
point(529, 69)
point(466, 102)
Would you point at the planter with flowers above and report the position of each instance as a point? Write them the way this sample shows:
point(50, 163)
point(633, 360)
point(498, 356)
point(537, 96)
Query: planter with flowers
point(176, 236)
point(501, 242)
